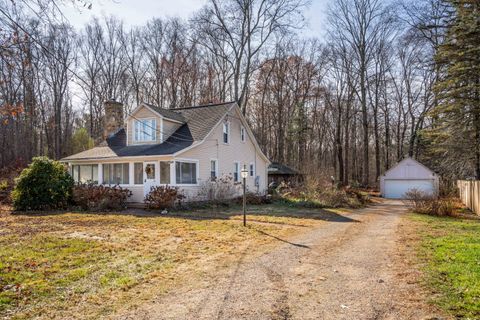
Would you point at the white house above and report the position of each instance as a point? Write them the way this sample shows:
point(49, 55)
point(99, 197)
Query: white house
point(406, 175)
point(179, 147)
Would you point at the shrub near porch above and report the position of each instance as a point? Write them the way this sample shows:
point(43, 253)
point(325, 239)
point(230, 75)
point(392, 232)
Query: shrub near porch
point(72, 265)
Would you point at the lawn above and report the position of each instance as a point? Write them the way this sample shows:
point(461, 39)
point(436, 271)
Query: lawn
point(78, 265)
point(450, 254)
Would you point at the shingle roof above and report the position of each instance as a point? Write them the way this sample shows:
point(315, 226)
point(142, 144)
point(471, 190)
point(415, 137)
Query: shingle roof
point(276, 168)
point(198, 122)
point(202, 119)
point(167, 113)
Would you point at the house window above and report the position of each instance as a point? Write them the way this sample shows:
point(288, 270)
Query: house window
point(186, 172)
point(242, 134)
point(236, 171)
point(213, 169)
point(145, 130)
point(116, 173)
point(138, 172)
point(85, 173)
point(164, 172)
point(226, 132)
point(252, 170)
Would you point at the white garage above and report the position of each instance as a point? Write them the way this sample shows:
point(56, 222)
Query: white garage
point(406, 175)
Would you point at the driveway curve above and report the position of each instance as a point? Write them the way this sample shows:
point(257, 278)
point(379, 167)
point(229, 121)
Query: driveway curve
point(339, 270)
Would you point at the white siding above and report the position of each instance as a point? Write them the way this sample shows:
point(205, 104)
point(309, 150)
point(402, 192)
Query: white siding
point(166, 128)
point(408, 174)
point(212, 148)
point(227, 155)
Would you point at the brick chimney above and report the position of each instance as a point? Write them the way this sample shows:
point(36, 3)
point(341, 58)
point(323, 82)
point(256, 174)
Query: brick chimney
point(113, 119)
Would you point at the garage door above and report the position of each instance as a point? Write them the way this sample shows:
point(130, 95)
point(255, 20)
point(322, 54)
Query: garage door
point(396, 189)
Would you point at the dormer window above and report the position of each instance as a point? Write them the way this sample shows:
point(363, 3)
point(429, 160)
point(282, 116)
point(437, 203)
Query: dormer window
point(145, 130)
point(226, 132)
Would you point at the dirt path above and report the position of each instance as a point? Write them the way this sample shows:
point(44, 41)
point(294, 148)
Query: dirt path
point(341, 270)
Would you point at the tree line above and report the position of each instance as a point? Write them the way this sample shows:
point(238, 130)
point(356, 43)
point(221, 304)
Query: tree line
point(388, 80)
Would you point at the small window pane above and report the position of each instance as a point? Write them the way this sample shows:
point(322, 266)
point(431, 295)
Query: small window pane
point(75, 171)
point(226, 131)
point(86, 173)
point(106, 174)
point(236, 170)
point(95, 173)
point(138, 173)
point(117, 173)
point(252, 170)
point(213, 168)
point(186, 172)
point(164, 172)
point(145, 130)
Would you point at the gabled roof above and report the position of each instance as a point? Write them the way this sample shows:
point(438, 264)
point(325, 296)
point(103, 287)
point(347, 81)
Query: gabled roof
point(167, 113)
point(202, 119)
point(276, 168)
point(115, 146)
point(198, 122)
point(404, 160)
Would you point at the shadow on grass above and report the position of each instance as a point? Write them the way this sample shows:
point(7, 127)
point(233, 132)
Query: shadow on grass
point(283, 240)
point(274, 210)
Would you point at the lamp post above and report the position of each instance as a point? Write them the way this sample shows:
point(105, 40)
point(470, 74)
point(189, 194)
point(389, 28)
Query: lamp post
point(244, 174)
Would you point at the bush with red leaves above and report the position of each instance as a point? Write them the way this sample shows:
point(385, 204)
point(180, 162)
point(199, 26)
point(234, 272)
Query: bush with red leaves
point(95, 197)
point(163, 197)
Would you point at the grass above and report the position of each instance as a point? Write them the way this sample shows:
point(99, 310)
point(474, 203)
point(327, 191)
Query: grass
point(450, 252)
point(71, 265)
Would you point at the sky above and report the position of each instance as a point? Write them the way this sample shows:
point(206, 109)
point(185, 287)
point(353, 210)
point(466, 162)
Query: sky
point(137, 12)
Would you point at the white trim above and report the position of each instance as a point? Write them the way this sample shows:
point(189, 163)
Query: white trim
point(160, 172)
point(197, 162)
point(229, 131)
point(244, 123)
point(251, 135)
point(216, 168)
point(154, 128)
point(161, 130)
point(239, 167)
point(123, 185)
point(403, 160)
point(193, 145)
point(149, 108)
point(133, 173)
point(118, 159)
point(155, 179)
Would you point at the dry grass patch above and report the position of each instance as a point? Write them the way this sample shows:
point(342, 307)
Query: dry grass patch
point(88, 266)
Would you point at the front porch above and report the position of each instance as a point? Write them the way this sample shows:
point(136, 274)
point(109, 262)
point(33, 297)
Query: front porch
point(139, 175)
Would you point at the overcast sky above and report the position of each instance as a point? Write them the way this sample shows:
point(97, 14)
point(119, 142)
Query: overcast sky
point(136, 12)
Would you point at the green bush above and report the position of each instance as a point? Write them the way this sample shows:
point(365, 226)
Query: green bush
point(44, 184)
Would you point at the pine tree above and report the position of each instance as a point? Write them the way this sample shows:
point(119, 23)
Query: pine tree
point(456, 137)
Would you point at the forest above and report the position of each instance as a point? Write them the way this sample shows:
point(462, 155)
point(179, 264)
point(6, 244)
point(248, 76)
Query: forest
point(388, 79)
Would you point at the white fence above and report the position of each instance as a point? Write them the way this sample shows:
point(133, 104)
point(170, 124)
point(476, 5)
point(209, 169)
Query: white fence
point(470, 194)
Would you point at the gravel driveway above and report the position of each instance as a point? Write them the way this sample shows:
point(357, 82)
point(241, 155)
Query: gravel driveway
point(341, 270)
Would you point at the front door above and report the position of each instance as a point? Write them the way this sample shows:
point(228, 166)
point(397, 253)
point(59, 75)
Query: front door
point(149, 176)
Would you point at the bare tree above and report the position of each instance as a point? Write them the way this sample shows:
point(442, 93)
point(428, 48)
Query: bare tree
point(240, 29)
